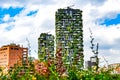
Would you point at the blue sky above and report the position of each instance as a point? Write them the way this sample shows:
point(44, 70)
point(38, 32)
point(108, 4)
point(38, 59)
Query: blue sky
point(113, 21)
point(14, 11)
point(32, 13)
point(27, 19)
point(11, 11)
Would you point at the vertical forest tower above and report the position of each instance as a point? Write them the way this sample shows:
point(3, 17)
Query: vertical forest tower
point(69, 34)
point(45, 46)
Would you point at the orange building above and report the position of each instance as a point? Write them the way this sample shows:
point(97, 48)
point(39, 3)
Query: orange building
point(13, 54)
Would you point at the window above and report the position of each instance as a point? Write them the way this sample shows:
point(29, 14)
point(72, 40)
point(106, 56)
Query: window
point(24, 49)
point(24, 56)
point(5, 54)
point(71, 13)
point(70, 37)
point(11, 48)
point(24, 53)
point(16, 49)
point(3, 49)
point(24, 59)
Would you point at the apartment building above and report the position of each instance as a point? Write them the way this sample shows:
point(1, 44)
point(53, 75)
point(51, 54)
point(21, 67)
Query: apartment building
point(13, 54)
point(69, 34)
point(45, 46)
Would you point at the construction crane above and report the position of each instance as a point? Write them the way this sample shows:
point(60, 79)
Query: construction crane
point(105, 60)
point(29, 48)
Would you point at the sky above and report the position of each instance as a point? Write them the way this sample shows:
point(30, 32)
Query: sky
point(23, 19)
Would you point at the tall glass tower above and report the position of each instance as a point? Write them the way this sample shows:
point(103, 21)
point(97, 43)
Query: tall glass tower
point(69, 34)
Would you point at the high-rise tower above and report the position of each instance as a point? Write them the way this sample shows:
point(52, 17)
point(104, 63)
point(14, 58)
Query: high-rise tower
point(45, 46)
point(69, 34)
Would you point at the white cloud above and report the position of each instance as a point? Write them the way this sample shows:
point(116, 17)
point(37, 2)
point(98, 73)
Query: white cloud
point(44, 21)
point(16, 33)
point(106, 36)
point(6, 17)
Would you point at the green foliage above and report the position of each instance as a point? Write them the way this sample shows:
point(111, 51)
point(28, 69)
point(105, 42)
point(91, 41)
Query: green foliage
point(53, 73)
point(72, 74)
point(39, 77)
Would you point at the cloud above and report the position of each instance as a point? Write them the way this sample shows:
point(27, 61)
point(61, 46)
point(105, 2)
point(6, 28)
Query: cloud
point(107, 36)
point(6, 17)
point(94, 12)
point(9, 28)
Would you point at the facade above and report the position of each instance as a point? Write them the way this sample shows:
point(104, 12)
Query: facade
point(93, 62)
point(115, 68)
point(13, 54)
point(88, 64)
point(45, 46)
point(69, 34)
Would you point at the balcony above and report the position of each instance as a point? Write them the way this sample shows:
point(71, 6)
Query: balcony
point(63, 41)
point(67, 47)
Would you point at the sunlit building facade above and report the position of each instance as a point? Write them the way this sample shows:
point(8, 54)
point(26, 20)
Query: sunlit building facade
point(13, 54)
